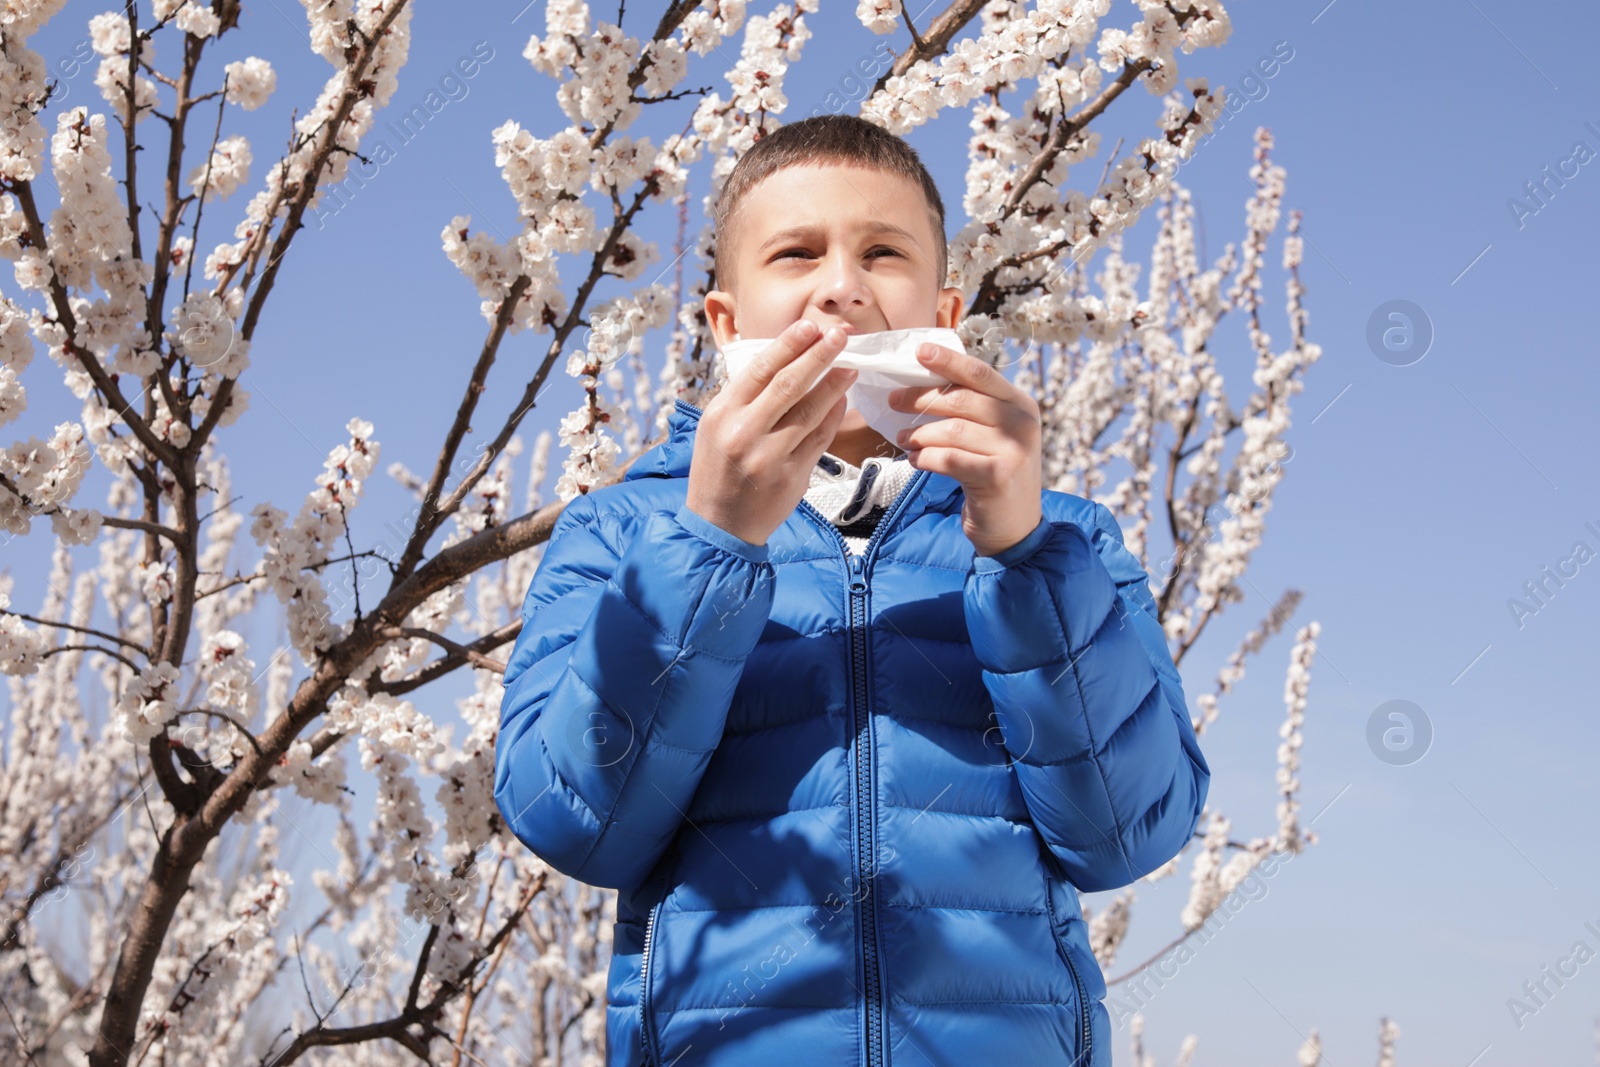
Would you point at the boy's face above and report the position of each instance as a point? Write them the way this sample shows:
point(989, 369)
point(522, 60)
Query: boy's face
point(839, 245)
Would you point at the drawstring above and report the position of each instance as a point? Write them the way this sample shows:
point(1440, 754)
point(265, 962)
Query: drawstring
point(863, 493)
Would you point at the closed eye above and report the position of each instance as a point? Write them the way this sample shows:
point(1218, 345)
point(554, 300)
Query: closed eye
point(802, 251)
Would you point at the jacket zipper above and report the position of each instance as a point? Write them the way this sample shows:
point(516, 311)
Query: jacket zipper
point(866, 810)
point(864, 806)
point(1085, 1034)
point(646, 1033)
point(862, 731)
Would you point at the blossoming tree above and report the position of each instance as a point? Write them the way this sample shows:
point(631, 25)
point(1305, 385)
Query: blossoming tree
point(139, 739)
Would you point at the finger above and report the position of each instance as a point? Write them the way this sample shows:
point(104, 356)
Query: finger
point(962, 369)
point(960, 434)
point(932, 403)
point(818, 402)
point(785, 348)
point(793, 381)
point(817, 441)
point(968, 468)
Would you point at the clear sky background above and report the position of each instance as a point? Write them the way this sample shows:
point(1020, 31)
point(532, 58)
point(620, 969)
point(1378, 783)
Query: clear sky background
point(1418, 502)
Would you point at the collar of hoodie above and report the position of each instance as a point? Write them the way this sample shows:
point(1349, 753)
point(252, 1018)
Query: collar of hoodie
point(843, 492)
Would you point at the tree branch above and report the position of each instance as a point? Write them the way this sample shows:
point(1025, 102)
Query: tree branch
point(145, 652)
point(459, 654)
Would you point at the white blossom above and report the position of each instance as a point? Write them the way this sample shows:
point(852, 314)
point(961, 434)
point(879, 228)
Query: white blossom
point(1109, 926)
point(1388, 1031)
point(204, 334)
point(111, 78)
point(227, 169)
point(1206, 893)
point(110, 34)
point(250, 82)
point(291, 549)
point(78, 526)
point(1310, 1054)
point(1291, 836)
point(879, 16)
point(149, 704)
point(33, 270)
point(669, 62)
point(195, 19)
point(20, 646)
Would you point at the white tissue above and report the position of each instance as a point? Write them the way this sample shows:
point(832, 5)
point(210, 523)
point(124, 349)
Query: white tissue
point(885, 361)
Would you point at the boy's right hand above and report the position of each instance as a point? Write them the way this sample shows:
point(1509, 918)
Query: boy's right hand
point(761, 435)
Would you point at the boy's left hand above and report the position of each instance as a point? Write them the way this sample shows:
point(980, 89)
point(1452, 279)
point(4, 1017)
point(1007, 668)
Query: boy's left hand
point(987, 438)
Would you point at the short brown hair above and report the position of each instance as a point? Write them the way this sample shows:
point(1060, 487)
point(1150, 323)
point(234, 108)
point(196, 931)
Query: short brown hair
point(847, 139)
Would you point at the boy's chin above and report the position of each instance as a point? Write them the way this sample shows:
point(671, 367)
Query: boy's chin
point(855, 437)
point(854, 427)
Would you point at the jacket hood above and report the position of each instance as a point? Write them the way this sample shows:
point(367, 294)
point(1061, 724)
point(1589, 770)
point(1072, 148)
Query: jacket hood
point(670, 459)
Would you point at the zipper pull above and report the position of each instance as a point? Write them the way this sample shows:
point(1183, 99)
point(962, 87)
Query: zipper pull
point(858, 583)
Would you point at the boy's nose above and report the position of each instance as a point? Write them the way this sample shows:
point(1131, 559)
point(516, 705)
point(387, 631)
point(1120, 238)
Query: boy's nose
point(843, 282)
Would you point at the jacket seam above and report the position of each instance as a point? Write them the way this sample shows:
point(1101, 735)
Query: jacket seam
point(1079, 756)
point(766, 816)
point(952, 811)
point(822, 903)
point(1155, 686)
point(979, 1000)
point(676, 644)
point(591, 526)
point(844, 1007)
point(660, 743)
point(747, 1007)
point(1030, 670)
point(676, 910)
point(922, 563)
point(967, 907)
point(1055, 616)
point(901, 718)
point(809, 721)
point(581, 680)
point(1064, 761)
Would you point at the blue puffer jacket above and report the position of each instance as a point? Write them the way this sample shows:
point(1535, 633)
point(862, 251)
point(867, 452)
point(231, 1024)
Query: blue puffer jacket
point(846, 800)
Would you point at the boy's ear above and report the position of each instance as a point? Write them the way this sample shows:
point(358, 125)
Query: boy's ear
point(719, 314)
point(949, 307)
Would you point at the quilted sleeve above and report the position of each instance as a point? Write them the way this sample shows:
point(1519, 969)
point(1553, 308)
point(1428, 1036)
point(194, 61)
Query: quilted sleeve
point(1087, 699)
point(618, 685)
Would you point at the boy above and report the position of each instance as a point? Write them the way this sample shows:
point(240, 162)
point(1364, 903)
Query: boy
point(845, 770)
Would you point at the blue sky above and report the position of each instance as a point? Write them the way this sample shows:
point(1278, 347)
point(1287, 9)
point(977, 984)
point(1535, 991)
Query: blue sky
point(1417, 505)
